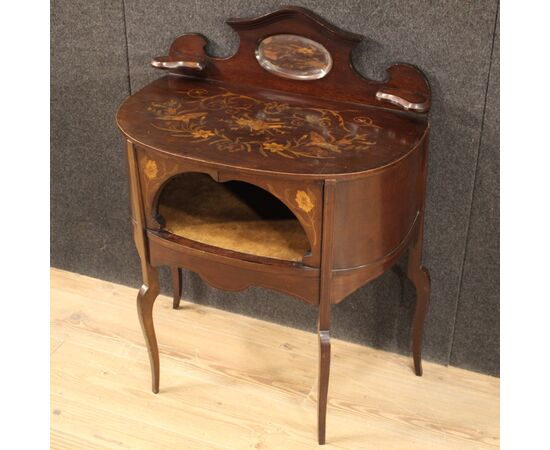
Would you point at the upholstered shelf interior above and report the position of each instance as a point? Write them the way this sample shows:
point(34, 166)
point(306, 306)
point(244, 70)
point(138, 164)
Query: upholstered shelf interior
point(233, 215)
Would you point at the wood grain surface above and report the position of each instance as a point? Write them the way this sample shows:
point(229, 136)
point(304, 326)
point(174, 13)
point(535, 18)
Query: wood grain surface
point(231, 381)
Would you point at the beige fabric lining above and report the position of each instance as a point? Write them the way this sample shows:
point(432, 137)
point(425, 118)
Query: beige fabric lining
point(233, 216)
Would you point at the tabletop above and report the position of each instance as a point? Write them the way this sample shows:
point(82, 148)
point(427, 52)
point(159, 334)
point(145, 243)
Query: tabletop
point(267, 130)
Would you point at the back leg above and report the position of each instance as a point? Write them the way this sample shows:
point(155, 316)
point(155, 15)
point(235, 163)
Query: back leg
point(420, 277)
point(176, 284)
point(421, 281)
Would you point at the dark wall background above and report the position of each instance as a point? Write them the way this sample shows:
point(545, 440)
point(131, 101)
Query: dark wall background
point(100, 54)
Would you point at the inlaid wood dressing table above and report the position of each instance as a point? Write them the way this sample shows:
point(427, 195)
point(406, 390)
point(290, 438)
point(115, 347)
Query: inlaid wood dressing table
point(280, 167)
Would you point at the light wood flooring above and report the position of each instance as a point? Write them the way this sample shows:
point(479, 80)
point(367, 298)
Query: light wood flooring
point(233, 382)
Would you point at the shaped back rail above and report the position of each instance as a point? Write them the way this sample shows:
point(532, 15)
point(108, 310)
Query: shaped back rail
point(406, 88)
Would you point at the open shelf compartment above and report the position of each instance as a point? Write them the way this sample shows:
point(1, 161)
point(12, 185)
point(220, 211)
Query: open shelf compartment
point(234, 215)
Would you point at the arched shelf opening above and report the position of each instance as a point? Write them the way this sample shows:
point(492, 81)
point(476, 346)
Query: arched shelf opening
point(233, 215)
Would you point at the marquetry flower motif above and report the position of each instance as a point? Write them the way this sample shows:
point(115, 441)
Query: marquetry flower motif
point(202, 134)
point(151, 169)
point(303, 201)
point(318, 141)
point(257, 125)
point(197, 93)
point(273, 147)
point(363, 120)
point(275, 107)
point(316, 120)
point(232, 122)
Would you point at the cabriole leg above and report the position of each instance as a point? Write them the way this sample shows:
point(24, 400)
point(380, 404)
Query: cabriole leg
point(150, 288)
point(145, 301)
point(325, 306)
point(420, 277)
point(324, 371)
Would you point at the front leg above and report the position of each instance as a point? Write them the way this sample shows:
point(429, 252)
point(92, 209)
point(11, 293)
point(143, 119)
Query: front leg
point(325, 306)
point(324, 372)
point(151, 286)
point(145, 301)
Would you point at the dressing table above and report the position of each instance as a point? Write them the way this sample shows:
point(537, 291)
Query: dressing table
point(279, 167)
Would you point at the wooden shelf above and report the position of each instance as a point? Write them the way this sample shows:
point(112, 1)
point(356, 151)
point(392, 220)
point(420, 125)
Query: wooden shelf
point(234, 216)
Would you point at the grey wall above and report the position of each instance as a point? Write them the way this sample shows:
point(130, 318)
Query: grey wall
point(100, 54)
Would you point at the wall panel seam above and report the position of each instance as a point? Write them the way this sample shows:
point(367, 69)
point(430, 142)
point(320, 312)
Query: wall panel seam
point(126, 44)
point(476, 173)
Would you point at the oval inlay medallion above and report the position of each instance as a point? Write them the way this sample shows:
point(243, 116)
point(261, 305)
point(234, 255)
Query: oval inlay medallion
point(295, 57)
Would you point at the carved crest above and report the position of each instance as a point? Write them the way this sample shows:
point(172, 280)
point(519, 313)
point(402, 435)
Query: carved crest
point(406, 87)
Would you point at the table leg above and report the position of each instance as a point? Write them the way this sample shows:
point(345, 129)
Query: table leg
point(324, 371)
point(176, 285)
point(145, 301)
point(325, 305)
point(151, 286)
point(420, 277)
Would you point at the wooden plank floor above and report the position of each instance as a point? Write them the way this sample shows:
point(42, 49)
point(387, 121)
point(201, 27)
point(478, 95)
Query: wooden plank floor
point(233, 382)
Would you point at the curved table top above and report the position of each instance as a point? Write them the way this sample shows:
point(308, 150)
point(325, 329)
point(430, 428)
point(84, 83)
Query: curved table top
point(240, 127)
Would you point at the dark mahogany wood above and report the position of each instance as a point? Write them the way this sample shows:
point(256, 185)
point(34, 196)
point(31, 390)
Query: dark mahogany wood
point(150, 288)
point(344, 83)
point(346, 155)
point(294, 136)
point(323, 326)
point(176, 286)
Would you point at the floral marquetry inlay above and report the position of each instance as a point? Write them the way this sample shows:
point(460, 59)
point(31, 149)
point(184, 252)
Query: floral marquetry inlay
point(233, 122)
point(304, 201)
point(151, 169)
